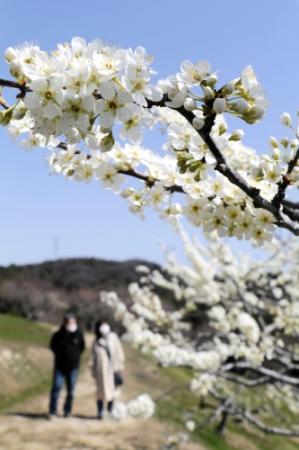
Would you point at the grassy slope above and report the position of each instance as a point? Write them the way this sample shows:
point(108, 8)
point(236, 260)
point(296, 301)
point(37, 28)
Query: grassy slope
point(17, 329)
point(168, 386)
point(237, 436)
point(24, 363)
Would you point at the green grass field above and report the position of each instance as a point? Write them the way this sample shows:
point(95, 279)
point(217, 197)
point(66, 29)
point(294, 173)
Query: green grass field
point(17, 329)
point(24, 360)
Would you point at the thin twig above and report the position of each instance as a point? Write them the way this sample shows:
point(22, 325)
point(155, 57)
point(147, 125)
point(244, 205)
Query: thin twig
point(284, 183)
point(266, 428)
point(14, 85)
point(272, 374)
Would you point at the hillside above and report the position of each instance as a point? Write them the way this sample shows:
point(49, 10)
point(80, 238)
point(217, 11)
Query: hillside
point(45, 291)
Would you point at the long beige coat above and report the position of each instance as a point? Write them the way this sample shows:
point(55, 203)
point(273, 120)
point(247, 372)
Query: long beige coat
point(103, 366)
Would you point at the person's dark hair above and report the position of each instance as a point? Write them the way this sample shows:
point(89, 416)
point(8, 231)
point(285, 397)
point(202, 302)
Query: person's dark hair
point(67, 317)
point(97, 331)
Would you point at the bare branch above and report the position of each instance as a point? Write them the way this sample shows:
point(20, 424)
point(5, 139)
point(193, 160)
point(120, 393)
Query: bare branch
point(290, 204)
point(148, 180)
point(3, 103)
point(284, 183)
point(235, 410)
point(271, 374)
point(245, 382)
point(13, 84)
point(266, 428)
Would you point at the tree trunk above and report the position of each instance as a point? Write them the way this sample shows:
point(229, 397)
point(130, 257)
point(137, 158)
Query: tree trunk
point(222, 424)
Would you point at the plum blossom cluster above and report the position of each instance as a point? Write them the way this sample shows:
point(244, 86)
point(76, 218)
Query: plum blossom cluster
point(250, 313)
point(81, 90)
point(243, 96)
point(212, 203)
point(141, 407)
point(91, 103)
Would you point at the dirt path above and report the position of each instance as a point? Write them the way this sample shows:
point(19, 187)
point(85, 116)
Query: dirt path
point(25, 426)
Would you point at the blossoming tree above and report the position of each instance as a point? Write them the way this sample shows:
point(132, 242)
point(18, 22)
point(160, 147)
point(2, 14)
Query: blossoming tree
point(90, 104)
point(243, 358)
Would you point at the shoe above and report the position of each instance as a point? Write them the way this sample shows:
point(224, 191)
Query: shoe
point(66, 415)
point(51, 416)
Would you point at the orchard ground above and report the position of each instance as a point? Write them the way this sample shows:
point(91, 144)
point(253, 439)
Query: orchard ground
point(25, 370)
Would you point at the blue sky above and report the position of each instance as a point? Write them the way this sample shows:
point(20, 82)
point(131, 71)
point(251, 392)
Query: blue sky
point(43, 215)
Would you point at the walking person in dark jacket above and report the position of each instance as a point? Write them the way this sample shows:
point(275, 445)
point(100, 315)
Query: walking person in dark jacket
point(67, 344)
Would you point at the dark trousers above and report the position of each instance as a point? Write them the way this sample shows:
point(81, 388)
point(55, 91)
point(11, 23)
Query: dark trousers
point(59, 378)
point(100, 405)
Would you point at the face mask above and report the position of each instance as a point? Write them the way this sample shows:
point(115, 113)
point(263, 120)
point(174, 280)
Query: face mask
point(104, 329)
point(71, 328)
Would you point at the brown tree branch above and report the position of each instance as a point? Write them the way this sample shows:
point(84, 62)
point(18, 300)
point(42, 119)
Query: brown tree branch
point(3, 103)
point(264, 371)
point(14, 85)
point(290, 204)
point(237, 411)
point(284, 183)
point(266, 428)
point(147, 179)
point(245, 382)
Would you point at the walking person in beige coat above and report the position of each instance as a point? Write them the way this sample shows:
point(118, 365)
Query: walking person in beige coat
point(107, 366)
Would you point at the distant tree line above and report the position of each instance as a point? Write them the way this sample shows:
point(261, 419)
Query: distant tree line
point(46, 291)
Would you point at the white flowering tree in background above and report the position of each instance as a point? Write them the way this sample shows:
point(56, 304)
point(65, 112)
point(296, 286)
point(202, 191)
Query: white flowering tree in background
point(234, 323)
point(90, 104)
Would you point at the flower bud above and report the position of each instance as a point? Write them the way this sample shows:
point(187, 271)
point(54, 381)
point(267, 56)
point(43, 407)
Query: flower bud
point(254, 114)
point(219, 105)
point(241, 106)
point(19, 112)
point(208, 92)
point(171, 92)
point(189, 104)
point(229, 87)
point(211, 80)
point(10, 54)
point(237, 135)
point(294, 143)
point(276, 153)
point(15, 69)
point(105, 130)
point(286, 119)
point(173, 210)
point(125, 193)
point(6, 115)
point(198, 123)
point(107, 143)
point(222, 129)
point(273, 142)
point(285, 142)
